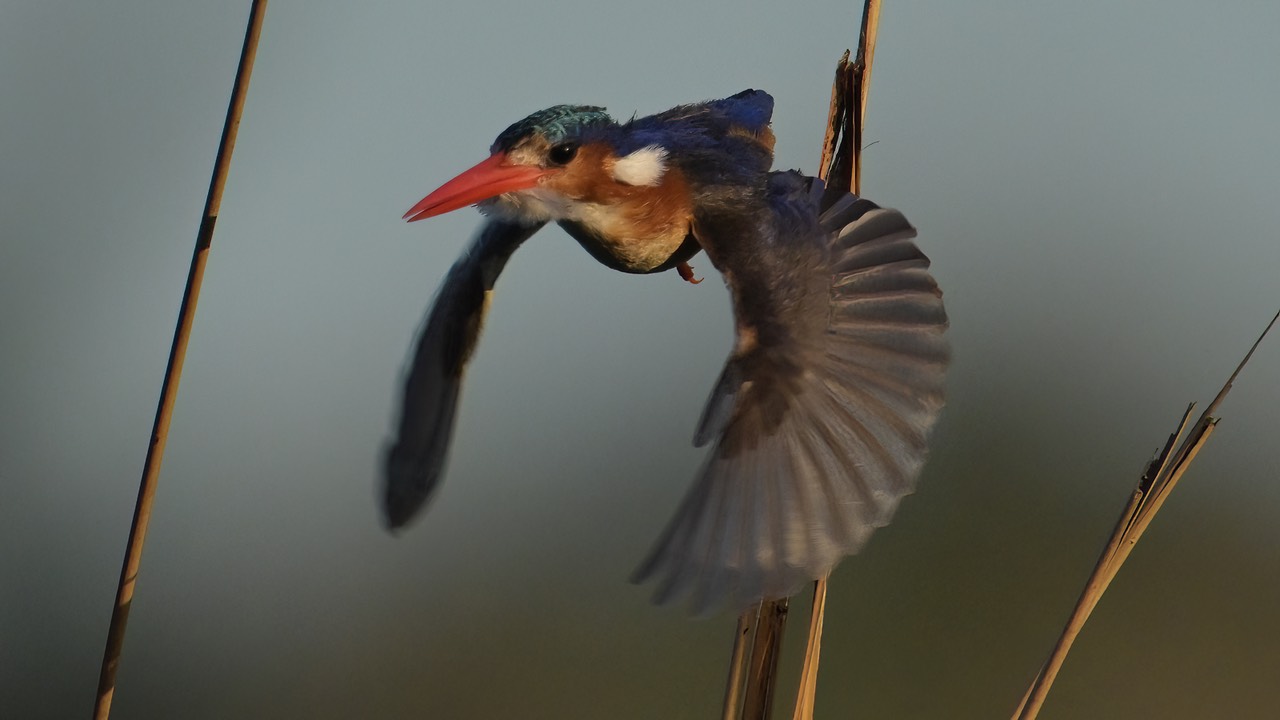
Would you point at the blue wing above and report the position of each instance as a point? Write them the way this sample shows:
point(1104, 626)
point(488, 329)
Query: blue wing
point(415, 459)
point(751, 110)
point(700, 137)
point(820, 419)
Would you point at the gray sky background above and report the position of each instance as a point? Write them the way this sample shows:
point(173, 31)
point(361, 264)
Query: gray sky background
point(1096, 183)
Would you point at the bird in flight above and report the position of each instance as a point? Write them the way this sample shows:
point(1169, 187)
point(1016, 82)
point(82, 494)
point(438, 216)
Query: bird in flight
point(818, 424)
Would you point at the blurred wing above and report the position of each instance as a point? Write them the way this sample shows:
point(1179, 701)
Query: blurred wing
point(415, 459)
point(821, 416)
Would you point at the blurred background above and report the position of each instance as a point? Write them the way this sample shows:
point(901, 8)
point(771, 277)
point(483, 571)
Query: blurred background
point(1095, 182)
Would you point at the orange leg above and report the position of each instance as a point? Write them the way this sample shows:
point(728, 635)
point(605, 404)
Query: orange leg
point(686, 273)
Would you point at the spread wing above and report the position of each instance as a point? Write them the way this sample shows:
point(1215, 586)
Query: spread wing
point(416, 456)
point(820, 419)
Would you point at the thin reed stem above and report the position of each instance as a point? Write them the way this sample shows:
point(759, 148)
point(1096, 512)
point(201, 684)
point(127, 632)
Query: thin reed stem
point(806, 697)
point(737, 667)
point(173, 372)
point(846, 119)
point(762, 670)
point(839, 167)
point(1146, 500)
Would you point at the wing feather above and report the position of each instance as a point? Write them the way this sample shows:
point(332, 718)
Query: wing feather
point(415, 458)
point(821, 417)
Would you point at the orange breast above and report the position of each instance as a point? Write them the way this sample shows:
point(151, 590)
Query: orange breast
point(639, 227)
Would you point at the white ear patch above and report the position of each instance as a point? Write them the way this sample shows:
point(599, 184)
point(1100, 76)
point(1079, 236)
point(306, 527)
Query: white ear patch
point(642, 167)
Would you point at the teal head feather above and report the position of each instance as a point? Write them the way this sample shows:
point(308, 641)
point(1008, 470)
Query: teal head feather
point(555, 124)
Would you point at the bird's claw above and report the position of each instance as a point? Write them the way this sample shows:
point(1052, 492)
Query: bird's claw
point(686, 273)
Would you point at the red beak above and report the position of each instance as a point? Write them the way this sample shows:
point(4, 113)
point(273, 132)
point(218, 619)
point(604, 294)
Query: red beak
point(488, 179)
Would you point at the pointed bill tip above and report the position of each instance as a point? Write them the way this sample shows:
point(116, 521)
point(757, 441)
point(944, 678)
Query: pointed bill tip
point(489, 178)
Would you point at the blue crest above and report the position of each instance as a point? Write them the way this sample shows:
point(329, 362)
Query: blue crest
point(555, 123)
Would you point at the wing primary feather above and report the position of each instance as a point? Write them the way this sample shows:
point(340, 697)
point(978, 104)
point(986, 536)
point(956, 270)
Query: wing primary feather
point(819, 422)
point(715, 569)
point(719, 405)
point(841, 509)
point(415, 458)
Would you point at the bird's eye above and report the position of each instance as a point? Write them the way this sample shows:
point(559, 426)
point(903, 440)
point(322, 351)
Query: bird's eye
point(561, 154)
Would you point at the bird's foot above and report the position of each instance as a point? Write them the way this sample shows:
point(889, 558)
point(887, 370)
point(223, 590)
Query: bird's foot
point(686, 273)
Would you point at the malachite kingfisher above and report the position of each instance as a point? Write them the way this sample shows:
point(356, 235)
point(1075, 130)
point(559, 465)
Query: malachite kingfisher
point(819, 422)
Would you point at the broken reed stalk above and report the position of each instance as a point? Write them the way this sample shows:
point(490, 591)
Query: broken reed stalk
point(173, 371)
point(737, 664)
point(855, 79)
point(762, 668)
point(840, 168)
point(1153, 488)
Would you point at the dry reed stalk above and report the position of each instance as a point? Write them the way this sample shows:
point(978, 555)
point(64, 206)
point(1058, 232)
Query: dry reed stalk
point(840, 168)
point(1153, 488)
point(848, 113)
point(173, 372)
point(737, 667)
point(806, 696)
point(762, 668)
